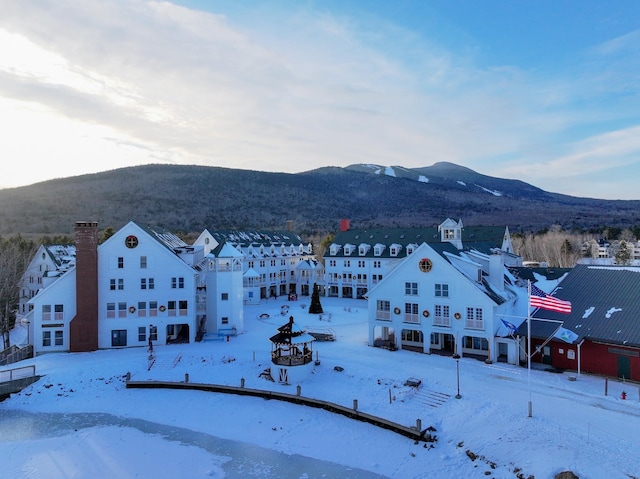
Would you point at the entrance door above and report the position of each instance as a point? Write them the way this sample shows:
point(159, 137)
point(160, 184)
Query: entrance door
point(503, 352)
point(118, 337)
point(624, 367)
point(546, 355)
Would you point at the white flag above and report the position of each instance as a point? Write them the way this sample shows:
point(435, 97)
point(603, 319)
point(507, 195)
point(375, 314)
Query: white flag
point(566, 335)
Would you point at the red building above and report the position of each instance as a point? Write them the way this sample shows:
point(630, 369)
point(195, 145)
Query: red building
point(605, 317)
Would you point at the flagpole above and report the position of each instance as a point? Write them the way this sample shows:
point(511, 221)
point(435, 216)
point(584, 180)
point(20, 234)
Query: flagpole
point(529, 343)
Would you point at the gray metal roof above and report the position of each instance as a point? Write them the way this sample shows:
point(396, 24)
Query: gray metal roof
point(254, 237)
point(605, 305)
point(481, 238)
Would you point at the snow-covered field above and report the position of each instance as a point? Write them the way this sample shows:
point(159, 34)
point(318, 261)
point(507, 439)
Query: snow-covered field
point(112, 431)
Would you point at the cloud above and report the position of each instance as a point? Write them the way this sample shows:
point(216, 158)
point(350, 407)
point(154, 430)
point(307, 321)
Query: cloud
point(278, 90)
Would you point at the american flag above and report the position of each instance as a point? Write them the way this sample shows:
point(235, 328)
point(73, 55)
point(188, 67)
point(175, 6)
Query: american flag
point(540, 299)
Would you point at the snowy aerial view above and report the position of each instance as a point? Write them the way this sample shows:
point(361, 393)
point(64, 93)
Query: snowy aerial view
point(80, 420)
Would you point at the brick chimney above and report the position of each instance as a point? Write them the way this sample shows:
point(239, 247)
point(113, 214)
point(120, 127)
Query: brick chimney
point(344, 225)
point(83, 329)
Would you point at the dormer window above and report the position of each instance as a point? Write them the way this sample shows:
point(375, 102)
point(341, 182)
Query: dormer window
point(378, 249)
point(411, 248)
point(394, 249)
point(363, 249)
point(348, 249)
point(334, 249)
point(449, 234)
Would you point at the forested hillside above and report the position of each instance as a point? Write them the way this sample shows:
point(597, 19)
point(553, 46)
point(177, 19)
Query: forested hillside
point(191, 198)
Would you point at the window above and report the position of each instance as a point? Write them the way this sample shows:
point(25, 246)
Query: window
point(383, 309)
point(377, 264)
point(151, 283)
point(449, 234)
point(59, 338)
point(120, 284)
point(58, 312)
point(182, 306)
point(478, 344)
point(153, 332)
point(171, 308)
point(474, 318)
point(361, 264)
point(46, 338)
point(46, 312)
point(224, 296)
point(153, 308)
point(224, 320)
point(411, 289)
point(442, 290)
point(120, 262)
point(177, 283)
point(122, 310)
point(143, 283)
point(142, 334)
point(441, 315)
point(347, 263)
point(412, 336)
point(332, 263)
point(411, 313)
point(143, 262)
point(142, 309)
point(111, 310)
point(112, 284)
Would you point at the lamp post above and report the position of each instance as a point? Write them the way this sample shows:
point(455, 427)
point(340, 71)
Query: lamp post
point(24, 322)
point(457, 358)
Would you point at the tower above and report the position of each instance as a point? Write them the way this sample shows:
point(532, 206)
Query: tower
point(83, 328)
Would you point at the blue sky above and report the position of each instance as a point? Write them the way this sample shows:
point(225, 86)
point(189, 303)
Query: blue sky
point(547, 92)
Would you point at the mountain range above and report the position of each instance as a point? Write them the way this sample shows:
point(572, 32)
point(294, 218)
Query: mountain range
point(191, 198)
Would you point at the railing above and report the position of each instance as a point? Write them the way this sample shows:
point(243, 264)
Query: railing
point(291, 360)
point(17, 373)
point(14, 354)
point(411, 318)
point(474, 324)
point(442, 321)
point(15, 380)
point(383, 315)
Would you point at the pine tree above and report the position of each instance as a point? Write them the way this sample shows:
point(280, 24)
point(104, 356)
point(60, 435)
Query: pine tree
point(623, 255)
point(315, 307)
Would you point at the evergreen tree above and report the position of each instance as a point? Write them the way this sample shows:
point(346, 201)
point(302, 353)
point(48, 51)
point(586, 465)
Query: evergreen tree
point(315, 307)
point(623, 255)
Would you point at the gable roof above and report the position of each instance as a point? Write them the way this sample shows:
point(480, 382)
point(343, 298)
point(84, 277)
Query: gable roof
point(450, 255)
point(604, 305)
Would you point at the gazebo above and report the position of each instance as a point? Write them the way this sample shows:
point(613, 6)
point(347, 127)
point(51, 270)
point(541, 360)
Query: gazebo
point(291, 352)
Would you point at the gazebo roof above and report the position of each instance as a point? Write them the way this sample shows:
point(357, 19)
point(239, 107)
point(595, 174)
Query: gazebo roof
point(291, 333)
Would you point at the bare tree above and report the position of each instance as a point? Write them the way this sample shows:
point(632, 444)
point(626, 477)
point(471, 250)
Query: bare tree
point(15, 255)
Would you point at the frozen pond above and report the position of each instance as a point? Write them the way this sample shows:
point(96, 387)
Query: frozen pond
point(233, 459)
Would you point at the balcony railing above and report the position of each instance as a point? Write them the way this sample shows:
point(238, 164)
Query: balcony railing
point(411, 318)
point(442, 321)
point(474, 324)
point(383, 315)
point(291, 359)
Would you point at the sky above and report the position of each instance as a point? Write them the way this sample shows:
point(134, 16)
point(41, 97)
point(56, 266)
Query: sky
point(79, 419)
point(541, 91)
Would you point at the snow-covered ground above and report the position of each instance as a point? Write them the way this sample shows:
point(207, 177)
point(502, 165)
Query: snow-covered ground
point(80, 421)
